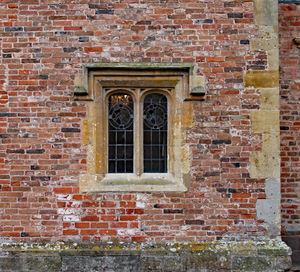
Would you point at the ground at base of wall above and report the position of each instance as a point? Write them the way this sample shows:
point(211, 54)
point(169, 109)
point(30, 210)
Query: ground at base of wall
point(292, 239)
point(264, 256)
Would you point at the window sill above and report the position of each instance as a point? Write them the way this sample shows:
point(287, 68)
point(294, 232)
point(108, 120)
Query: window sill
point(150, 182)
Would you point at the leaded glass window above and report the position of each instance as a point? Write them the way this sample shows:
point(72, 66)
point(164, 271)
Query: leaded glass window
point(135, 127)
point(137, 142)
point(155, 133)
point(120, 133)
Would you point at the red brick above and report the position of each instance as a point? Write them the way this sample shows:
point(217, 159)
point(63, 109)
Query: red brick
point(97, 49)
point(108, 204)
point(88, 232)
point(90, 218)
point(108, 232)
point(128, 217)
point(128, 204)
point(40, 194)
point(82, 225)
point(70, 232)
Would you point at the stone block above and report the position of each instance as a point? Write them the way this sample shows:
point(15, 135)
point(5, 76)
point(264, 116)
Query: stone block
point(273, 59)
point(264, 165)
point(11, 263)
point(265, 121)
point(273, 188)
point(77, 81)
point(265, 12)
point(269, 99)
point(262, 79)
point(85, 132)
point(100, 263)
point(250, 263)
point(197, 81)
point(271, 142)
point(269, 211)
point(264, 44)
point(283, 263)
point(268, 31)
point(41, 262)
point(153, 262)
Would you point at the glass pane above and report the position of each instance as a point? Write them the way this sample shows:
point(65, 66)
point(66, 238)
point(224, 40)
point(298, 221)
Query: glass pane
point(111, 166)
point(112, 150)
point(120, 133)
point(155, 166)
point(120, 152)
point(129, 138)
point(121, 167)
point(111, 137)
point(147, 151)
point(129, 166)
point(155, 125)
point(147, 137)
point(147, 164)
point(155, 152)
point(120, 137)
point(155, 137)
point(129, 152)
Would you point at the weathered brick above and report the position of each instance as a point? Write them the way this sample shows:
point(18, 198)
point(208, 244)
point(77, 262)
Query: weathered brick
point(104, 11)
point(35, 151)
point(194, 222)
point(45, 142)
point(13, 29)
point(235, 15)
point(69, 130)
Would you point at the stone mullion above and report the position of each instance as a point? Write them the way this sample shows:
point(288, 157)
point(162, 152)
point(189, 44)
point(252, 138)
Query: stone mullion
point(138, 134)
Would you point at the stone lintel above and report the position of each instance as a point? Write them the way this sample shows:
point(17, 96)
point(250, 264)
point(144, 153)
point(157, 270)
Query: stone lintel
point(196, 83)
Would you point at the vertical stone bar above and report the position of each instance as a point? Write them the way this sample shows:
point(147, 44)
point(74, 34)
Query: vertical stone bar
point(266, 163)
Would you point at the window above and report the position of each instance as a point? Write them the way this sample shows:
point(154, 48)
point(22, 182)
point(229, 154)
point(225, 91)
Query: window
point(121, 144)
point(120, 133)
point(155, 133)
point(137, 131)
point(136, 127)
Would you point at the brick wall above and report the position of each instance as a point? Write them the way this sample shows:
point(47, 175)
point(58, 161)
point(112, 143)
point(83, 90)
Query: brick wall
point(43, 46)
point(289, 19)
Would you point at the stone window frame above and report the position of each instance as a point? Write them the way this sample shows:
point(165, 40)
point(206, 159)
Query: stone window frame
point(178, 82)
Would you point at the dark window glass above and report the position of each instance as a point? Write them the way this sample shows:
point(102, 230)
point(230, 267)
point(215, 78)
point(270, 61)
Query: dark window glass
point(120, 133)
point(155, 127)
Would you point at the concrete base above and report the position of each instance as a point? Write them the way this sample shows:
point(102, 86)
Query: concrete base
point(210, 256)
